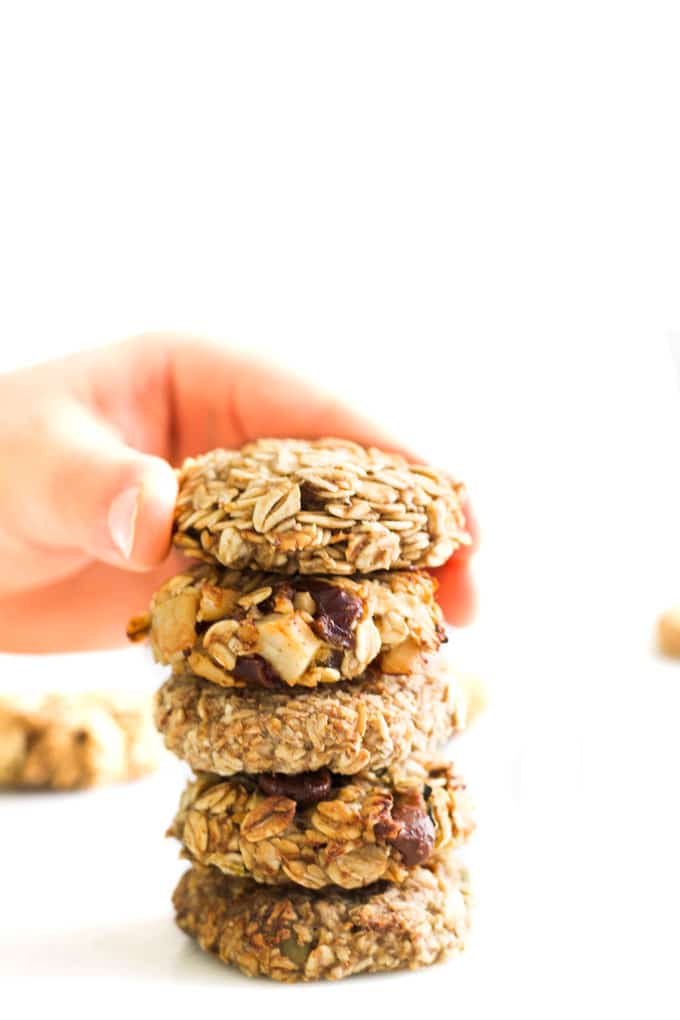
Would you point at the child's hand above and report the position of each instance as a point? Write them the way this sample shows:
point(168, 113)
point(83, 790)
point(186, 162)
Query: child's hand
point(88, 492)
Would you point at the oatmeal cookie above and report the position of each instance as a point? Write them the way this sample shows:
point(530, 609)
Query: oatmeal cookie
point(668, 632)
point(325, 506)
point(474, 694)
point(248, 628)
point(370, 723)
point(63, 741)
point(318, 829)
point(292, 934)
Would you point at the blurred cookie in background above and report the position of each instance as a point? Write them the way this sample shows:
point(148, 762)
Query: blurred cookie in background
point(668, 632)
point(77, 740)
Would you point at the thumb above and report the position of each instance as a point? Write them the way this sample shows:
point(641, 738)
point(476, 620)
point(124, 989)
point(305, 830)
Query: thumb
point(85, 489)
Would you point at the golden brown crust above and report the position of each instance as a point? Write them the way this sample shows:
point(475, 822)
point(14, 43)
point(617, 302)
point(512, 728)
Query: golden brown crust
point(292, 934)
point(324, 506)
point(343, 839)
point(304, 630)
point(371, 723)
point(64, 741)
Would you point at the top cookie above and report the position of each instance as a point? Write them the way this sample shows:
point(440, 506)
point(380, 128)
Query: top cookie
point(326, 506)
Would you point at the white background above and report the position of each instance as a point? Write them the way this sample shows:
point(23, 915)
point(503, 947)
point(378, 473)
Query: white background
point(465, 219)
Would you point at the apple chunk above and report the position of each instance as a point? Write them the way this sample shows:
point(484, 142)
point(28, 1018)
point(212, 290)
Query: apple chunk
point(173, 626)
point(287, 643)
point(404, 658)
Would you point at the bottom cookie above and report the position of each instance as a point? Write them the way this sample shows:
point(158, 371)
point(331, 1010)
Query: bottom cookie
point(70, 741)
point(294, 934)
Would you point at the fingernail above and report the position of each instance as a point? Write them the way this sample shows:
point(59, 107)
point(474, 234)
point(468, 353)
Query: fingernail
point(123, 518)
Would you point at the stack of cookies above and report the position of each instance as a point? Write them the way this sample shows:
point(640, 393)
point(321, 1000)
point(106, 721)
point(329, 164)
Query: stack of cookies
point(309, 698)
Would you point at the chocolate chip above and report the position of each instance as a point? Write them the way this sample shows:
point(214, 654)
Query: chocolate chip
point(256, 672)
point(410, 829)
point(386, 829)
point(337, 611)
point(305, 789)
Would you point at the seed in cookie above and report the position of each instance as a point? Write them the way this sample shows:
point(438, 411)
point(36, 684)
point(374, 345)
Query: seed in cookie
point(247, 629)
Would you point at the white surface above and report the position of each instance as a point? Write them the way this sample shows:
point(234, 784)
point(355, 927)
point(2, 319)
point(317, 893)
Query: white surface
point(466, 219)
point(98, 876)
point(574, 866)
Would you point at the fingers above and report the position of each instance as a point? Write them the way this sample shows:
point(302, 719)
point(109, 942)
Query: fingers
point(457, 594)
point(88, 610)
point(240, 398)
point(216, 396)
point(82, 488)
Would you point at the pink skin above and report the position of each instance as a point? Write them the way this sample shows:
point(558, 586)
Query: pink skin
point(86, 445)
